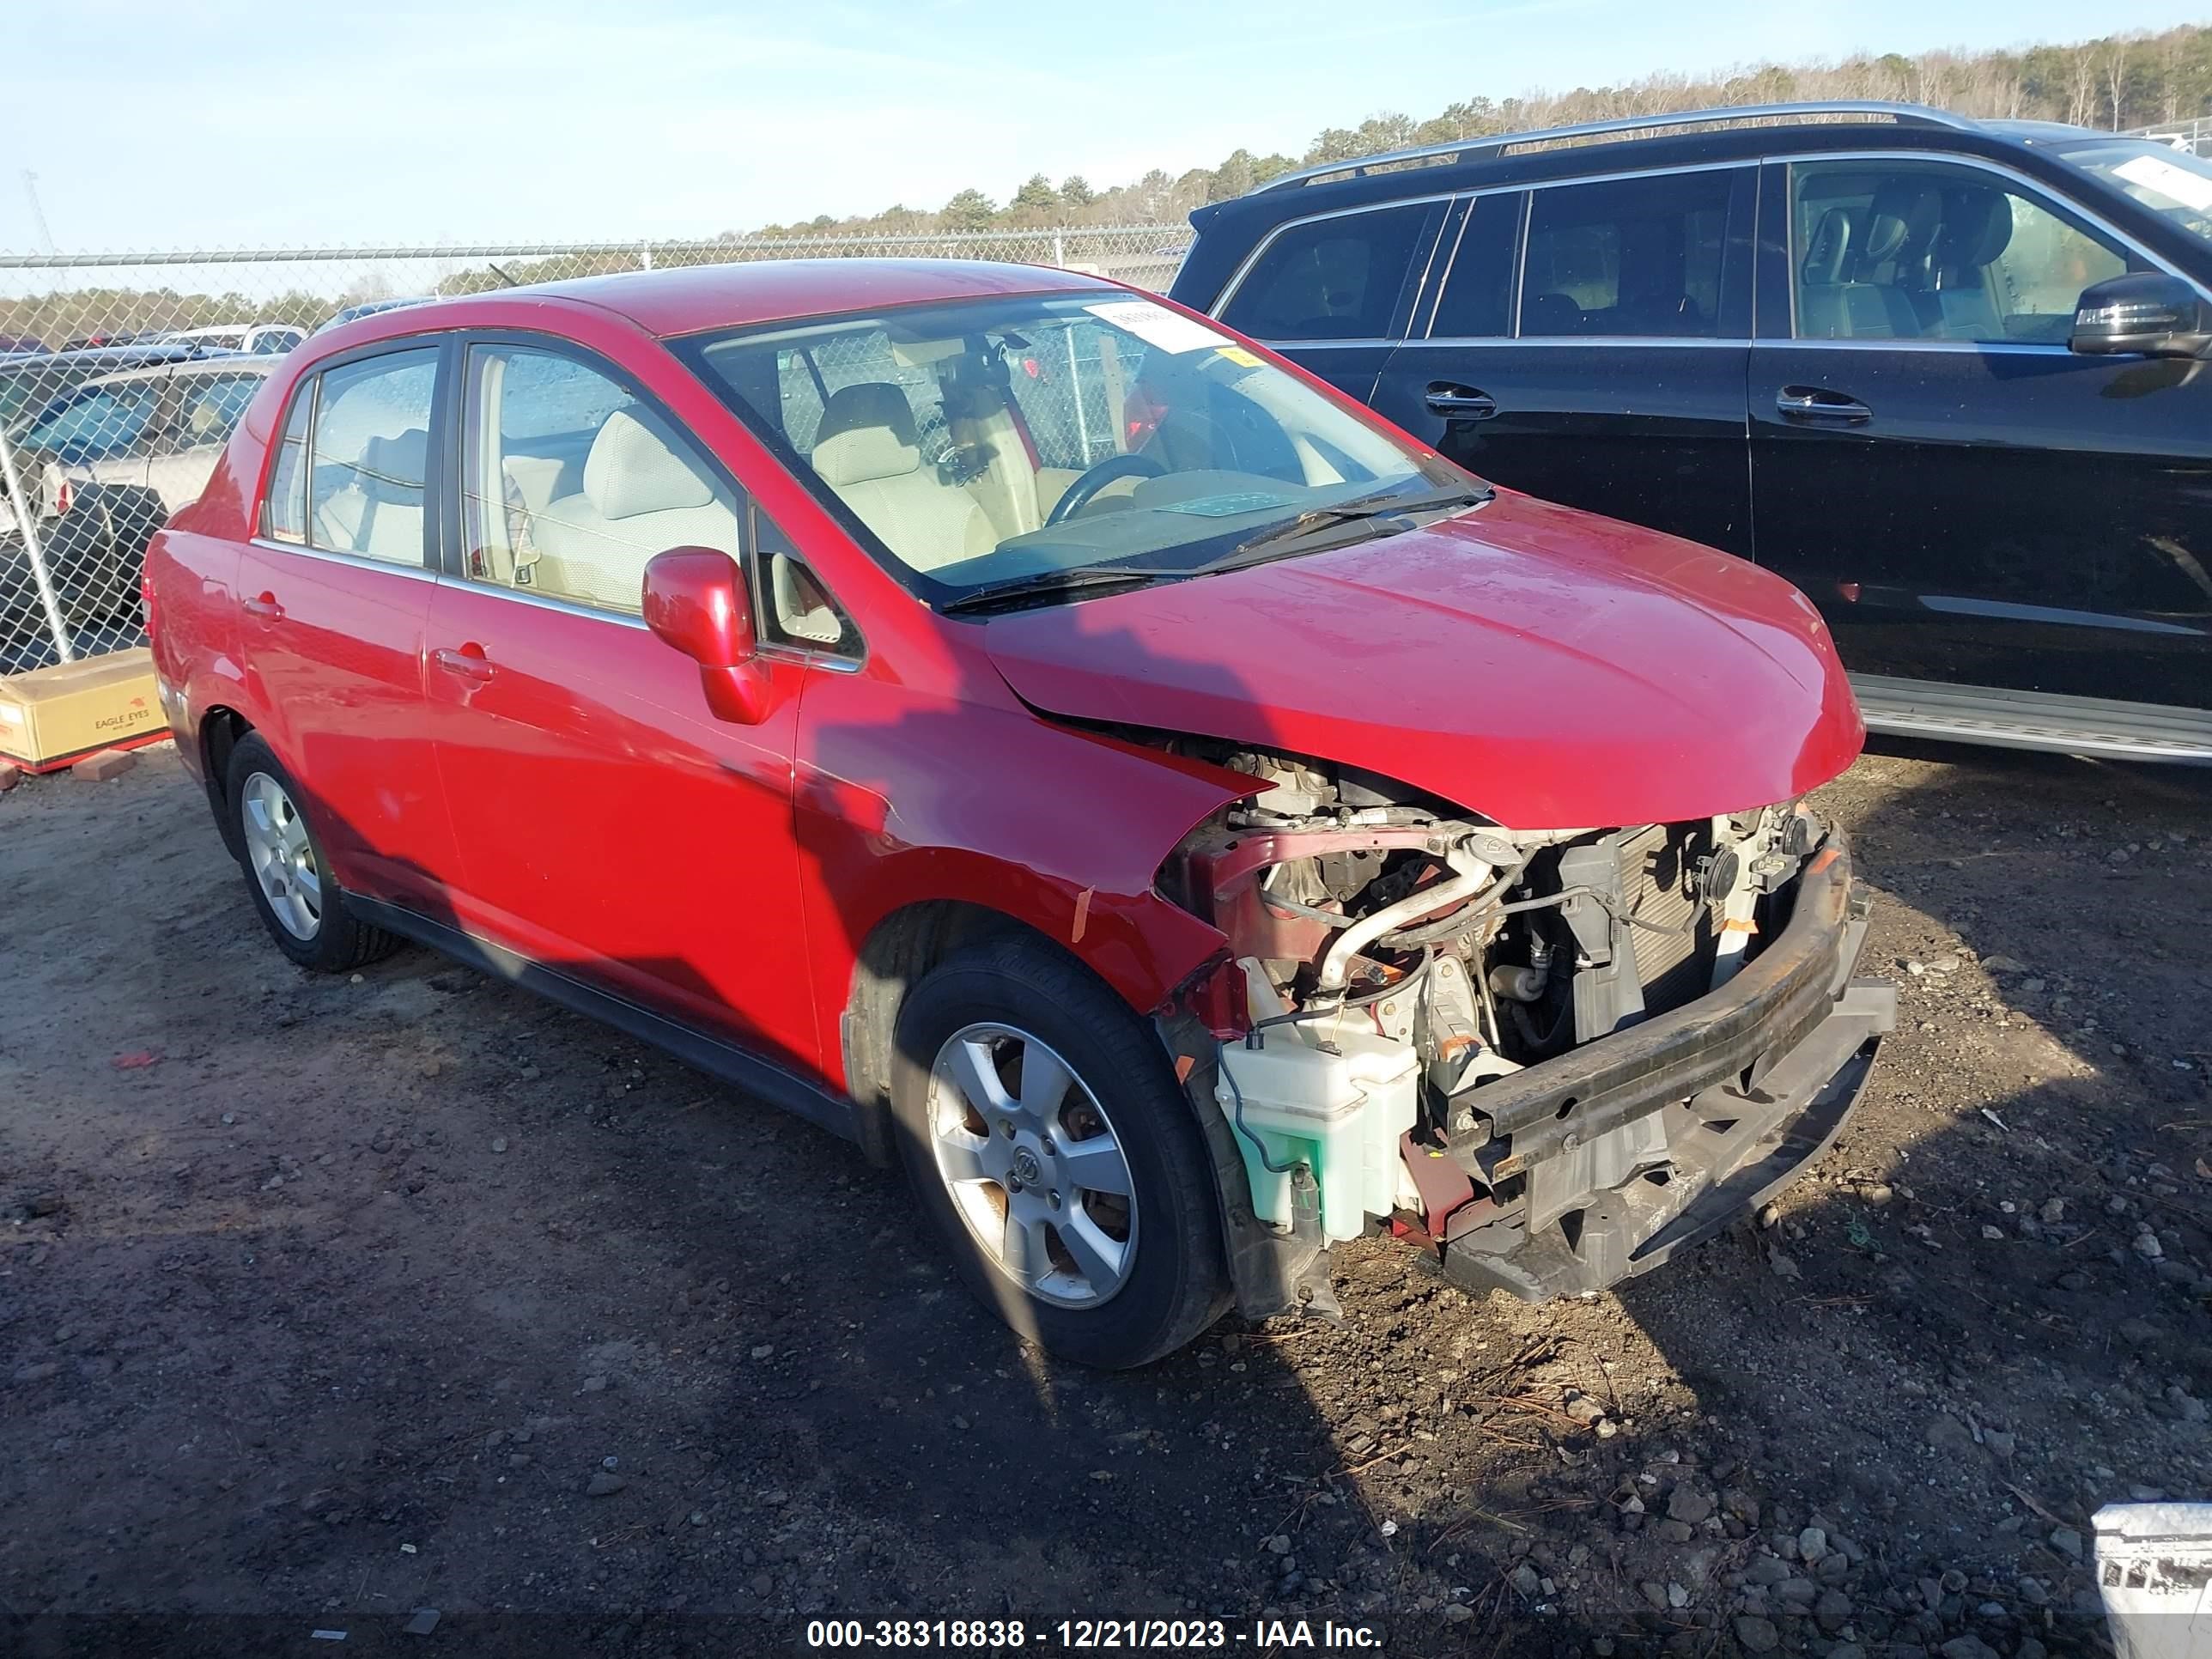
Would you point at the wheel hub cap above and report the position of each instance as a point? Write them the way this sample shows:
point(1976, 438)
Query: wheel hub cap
point(1033, 1165)
point(280, 856)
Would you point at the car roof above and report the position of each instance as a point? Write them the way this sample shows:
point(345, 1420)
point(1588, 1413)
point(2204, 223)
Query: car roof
point(234, 363)
point(123, 376)
point(1227, 230)
point(121, 356)
point(693, 298)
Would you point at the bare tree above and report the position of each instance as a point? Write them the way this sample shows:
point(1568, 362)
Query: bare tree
point(2081, 88)
point(2116, 74)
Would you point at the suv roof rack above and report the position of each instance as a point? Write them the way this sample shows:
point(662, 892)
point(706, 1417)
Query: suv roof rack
point(1467, 149)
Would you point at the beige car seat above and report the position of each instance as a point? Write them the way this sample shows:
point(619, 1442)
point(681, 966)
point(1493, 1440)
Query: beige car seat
point(640, 498)
point(379, 511)
point(868, 452)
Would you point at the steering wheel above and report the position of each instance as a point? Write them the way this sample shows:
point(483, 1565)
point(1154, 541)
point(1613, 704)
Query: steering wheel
point(1097, 477)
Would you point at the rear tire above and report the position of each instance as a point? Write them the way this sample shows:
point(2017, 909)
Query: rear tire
point(1052, 1148)
point(287, 873)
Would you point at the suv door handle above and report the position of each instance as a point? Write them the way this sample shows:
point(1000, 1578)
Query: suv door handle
point(469, 662)
point(1462, 403)
point(1817, 403)
point(264, 609)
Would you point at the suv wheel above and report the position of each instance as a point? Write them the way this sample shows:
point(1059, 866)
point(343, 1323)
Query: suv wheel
point(1049, 1141)
point(287, 872)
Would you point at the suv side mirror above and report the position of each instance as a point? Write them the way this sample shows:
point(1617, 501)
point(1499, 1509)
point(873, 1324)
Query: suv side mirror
point(2145, 312)
point(696, 601)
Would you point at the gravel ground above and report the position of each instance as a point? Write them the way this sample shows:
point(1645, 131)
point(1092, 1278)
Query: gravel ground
point(323, 1301)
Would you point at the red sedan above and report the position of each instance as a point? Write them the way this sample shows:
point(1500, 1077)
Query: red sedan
point(1047, 739)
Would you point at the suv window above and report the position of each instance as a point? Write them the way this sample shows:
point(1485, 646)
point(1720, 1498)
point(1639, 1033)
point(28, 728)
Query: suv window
point(1923, 250)
point(1477, 302)
point(571, 483)
point(1636, 257)
point(1338, 278)
point(369, 457)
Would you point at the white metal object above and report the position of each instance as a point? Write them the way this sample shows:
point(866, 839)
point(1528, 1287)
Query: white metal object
point(27, 527)
point(2153, 1564)
point(1469, 874)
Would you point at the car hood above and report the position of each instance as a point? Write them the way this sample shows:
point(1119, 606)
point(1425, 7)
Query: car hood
point(1545, 668)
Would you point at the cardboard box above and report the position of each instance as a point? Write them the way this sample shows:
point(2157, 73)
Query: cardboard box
point(50, 716)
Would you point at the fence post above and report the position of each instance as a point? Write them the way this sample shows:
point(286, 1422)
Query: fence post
point(27, 522)
point(1059, 249)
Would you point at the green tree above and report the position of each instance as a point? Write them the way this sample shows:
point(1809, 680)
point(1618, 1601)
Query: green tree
point(1075, 191)
point(1036, 196)
point(970, 209)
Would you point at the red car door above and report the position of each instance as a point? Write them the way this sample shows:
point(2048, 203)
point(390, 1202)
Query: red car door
point(332, 595)
point(609, 826)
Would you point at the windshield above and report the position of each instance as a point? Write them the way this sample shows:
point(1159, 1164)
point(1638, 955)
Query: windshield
point(1014, 440)
point(98, 423)
point(25, 393)
point(2170, 181)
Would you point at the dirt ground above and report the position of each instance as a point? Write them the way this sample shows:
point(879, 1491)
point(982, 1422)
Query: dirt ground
point(325, 1301)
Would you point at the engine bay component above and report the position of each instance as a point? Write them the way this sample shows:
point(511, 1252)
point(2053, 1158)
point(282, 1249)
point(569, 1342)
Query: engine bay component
point(1333, 1098)
point(1421, 986)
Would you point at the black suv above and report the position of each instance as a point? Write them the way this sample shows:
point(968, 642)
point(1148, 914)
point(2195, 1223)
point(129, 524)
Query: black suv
point(1953, 378)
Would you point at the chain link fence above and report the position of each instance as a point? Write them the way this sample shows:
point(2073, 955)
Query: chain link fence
point(122, 375)
point(2195, 136)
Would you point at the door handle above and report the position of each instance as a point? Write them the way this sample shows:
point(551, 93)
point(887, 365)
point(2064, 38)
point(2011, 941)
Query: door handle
point(1818, 404)
point(264, 609)
point(1460, 402)
point(469, 662)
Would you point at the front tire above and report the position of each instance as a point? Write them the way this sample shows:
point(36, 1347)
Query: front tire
point(286, 871)
point(1050, 1144)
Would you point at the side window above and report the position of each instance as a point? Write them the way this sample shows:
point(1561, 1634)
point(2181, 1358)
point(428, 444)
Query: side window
point(369, 455)
point(1477, 302)
point(570, 484)
point(102, 423)
point(1338, 278)
point(209, 407)
point(1922, 251)
point(1634, 256)
point(793, 608)
point(284, 512)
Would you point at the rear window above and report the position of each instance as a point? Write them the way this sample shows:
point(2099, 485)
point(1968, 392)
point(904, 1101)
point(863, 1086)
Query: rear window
point(1337, 278)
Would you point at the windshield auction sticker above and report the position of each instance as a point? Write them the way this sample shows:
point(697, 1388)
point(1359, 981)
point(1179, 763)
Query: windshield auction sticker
point(2156, 172)
point(1156, 326)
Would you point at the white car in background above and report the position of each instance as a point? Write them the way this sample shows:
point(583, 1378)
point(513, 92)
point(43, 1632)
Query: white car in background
point(105, 464)
point(156, 430)
point(254, 339)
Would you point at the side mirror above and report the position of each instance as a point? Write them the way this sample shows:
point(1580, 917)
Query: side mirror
point(696, 601)
point(2146, 313)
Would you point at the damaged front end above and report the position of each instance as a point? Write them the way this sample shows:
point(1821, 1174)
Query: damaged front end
point(1551, 1058)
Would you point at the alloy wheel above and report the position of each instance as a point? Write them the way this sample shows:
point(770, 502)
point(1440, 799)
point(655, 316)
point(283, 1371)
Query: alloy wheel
point(280, 857)
point(1033, 1165)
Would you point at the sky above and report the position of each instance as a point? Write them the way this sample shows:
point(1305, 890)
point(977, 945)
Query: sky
point(235, 123)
